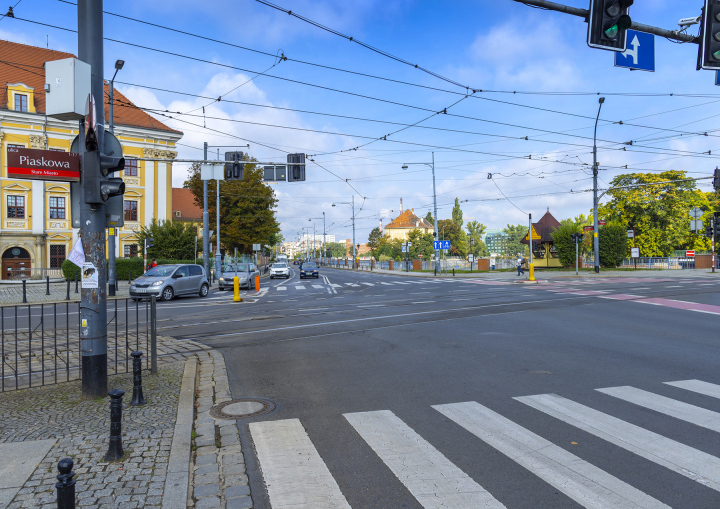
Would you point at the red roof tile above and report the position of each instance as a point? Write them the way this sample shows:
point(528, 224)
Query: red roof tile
point(408, 219)
point(184, 201)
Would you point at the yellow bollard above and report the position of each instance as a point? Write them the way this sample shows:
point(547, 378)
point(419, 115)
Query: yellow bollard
point(236, 287)
point(257, 283)
point(531, 267)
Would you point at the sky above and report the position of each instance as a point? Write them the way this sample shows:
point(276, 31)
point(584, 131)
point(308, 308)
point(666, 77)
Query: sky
point(499, 72)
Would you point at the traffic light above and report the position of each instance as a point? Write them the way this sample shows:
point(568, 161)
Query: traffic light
point(296, 167)
point(716, 179)
point(149, 243)
point(709, 51)
point(96, 167)
point(608, 23)
point(234, 170)
point(576, 237)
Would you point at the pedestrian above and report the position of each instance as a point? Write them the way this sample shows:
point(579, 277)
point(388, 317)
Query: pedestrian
point(153, 264)
point(520, 262)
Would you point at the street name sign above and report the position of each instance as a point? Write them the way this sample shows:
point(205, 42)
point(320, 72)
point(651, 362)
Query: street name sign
point(441, 244)
point(602, 223)
point(35, 164)
point(690, 254)
point(640, 53)
point(588, 228)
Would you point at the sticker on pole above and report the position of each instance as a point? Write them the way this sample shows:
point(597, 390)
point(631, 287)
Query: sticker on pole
point(89, 275)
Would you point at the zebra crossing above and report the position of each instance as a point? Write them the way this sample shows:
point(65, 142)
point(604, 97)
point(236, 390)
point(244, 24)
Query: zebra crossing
point(296, 475)
point(300, 286)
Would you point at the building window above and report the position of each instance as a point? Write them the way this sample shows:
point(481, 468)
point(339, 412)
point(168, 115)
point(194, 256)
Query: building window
point(131, 167)
point(21, 102)
point(131, 211)
point(178, 213)
point(131, 250)
point(57, 256)
point(57, 208)
point(16, 207)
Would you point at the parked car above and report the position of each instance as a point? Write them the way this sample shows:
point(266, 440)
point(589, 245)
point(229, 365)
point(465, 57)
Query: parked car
point(168, 281)
point(279, 270)
point(309, 269)
point(245, 272)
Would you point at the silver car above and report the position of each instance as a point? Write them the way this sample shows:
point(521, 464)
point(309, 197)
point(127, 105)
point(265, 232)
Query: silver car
point(167, 281)
point(245, 272)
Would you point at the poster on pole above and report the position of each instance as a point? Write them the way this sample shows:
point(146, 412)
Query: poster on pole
point(77, 254)
point(89, 275)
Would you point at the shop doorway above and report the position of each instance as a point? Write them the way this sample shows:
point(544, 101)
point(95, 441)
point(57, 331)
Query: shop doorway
point(16, 263)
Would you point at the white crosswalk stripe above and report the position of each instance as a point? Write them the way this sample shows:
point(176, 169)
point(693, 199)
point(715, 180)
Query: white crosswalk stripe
point(384, 283)
point(680, 458)
point(369, 284)
point(318, 286)
point(432, 479)
point(299, 287)
point(588, 485)
point(282, 288)
point(351, 284)
point(698, 386)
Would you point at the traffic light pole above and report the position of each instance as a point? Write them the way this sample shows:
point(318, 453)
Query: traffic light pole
point(596, 238)
point(93, 301)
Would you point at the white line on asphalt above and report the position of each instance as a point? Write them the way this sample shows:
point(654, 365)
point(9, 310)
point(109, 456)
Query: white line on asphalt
point(312, 309)
point(455, 300)
point(371, 305)
point(423, 302)
point(583, 482)
point(431, 478)
point(668, 406)
point(384, 283)
point(368, 284)
point(295, 475)
point(698, 386)
point(318, 286)
point(679, 458)
point(282, 288)
point(299, 287)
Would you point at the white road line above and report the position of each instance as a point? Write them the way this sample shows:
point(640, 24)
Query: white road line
point(299, 287)
point(280, 288)
point(431, 478)
point(423, 302)
point(295, 475)
point(351, 284)
point(368, 284)
point(370, 305)
point(698, 386)
point(679, 458)
point(668, 406)
point(583, 482)
point(401, 283)
point(384, 283)
point(318, 286)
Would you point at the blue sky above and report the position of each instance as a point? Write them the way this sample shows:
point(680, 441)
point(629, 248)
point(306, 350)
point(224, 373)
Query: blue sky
point(495, 46)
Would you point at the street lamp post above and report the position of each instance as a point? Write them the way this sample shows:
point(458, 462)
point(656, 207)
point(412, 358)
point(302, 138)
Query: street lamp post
point(323, 244)
point(111, 238)
point(432, 167)
point(352, 203)
point(596, 240)
point(307, 244)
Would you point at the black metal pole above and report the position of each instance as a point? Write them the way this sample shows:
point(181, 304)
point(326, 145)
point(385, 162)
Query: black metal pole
point(76, 281)
point(67, 297)
point(47, 285)
point(153, 335)
point(24, 291)
point(138, 397)
point(115, 448)
point(130, 277)
point(66, 484)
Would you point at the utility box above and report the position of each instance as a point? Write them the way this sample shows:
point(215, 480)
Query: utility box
point(67, 86)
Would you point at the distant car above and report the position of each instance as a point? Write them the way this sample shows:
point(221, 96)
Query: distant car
point(279, 270)
point(309, 269)
point(168, 281)
point(245, 272)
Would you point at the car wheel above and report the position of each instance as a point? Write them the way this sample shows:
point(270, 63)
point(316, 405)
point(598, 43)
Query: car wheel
point(168, 293)
point(272, 277)
point(204, 290)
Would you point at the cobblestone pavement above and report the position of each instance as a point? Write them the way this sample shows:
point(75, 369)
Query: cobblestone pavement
point(218, 479)
point(81, 428)
point(12, 293)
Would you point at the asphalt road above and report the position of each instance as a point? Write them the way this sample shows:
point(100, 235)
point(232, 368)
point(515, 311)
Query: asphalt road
point(403, 392)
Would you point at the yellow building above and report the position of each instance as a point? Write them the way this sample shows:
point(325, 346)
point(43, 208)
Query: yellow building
point(407, 221)
point(35, 229)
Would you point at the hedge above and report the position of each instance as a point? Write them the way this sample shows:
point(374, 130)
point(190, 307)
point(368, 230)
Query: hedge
point(123, 267)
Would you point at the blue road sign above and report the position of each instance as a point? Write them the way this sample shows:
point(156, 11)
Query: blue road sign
point(640, 52)
point(441, 244)
point(717, 78)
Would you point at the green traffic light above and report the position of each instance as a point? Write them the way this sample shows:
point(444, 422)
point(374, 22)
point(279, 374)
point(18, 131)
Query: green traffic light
point(612, 32)
point(716, 55)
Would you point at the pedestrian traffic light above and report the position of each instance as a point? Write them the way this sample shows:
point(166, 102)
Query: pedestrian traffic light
point(296, 167)
point(716, 179)
point(608, 23)
point(709, 51)
point(150, 243)
point(234, 170)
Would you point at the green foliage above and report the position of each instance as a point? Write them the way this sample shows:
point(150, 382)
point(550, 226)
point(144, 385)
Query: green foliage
point(123, 266)
point(475, 231)
point(513, 246)
point(335, 250)
point(449, 230)
point(457, 215)
point(421, 243)
point(613, 245)
point(429, 218)
point(564, 243)
point(172, 239)
point(375, 240)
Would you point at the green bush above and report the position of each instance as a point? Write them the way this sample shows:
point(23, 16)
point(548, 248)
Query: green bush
point(613, 245)
point(123, 267)
point(564, 243)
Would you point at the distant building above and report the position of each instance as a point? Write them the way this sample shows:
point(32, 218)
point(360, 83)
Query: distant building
point(407, 221)
point(184, 208)
point(363, 249)
point(544, 251)
point(496, 240)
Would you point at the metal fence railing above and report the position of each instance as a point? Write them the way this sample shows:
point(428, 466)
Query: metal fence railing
point(33, 273)
point(40, 343)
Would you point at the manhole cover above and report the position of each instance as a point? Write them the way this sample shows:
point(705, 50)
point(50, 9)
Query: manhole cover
point(244, 408)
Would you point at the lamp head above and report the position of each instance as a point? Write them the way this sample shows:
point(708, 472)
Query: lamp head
point(119, 64)
point(404, 166)
point(602, 100)
point(333, 204)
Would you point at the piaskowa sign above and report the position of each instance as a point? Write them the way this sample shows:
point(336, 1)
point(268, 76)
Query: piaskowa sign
point(36, 164)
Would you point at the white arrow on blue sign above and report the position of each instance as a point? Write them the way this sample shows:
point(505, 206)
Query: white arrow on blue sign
point(441, 244)
point(640, 52)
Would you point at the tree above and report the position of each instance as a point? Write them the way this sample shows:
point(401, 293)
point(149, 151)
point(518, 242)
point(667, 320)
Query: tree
point(429, 218)
point(475, 231)
point(247, 213)
point(613, 245)
point(449, 230)
point(564, 243)
point(421, 243)
point(457, 215)
point(515, 233)
point(375, 240)
point(336, 249)
point(173, 240)
point(658, 213)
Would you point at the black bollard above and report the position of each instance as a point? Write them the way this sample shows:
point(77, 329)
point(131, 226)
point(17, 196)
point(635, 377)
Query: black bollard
point(66, 485)
point(67, 297)
point(76, 282)
point(47, 285)
point(115, 448)
point(130, 277)
point(138, 398)
point(453, 272)
point(24, 291)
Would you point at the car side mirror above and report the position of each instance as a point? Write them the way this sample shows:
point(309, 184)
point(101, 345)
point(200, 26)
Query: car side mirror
point(175, 276)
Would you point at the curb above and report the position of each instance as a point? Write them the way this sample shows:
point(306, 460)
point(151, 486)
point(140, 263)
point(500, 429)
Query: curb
point(177, 482)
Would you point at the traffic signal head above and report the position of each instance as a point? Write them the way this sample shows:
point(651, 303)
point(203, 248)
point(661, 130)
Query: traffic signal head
point(97, 186)
point(296, 167)
point(709, 51)
point(110, 187)
point(716, 179)
point(110, 164)
point(235, 168)
point(608, 23)
point(149, 242)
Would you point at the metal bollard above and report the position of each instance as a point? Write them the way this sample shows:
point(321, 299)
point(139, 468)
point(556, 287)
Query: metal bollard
point(453, 271)
point(76, 282)
point(66, 485)
point(137, 398)
point(67, 297)
point(47, 285)
point(130, 277)
point(115, 448)
point(24, 291)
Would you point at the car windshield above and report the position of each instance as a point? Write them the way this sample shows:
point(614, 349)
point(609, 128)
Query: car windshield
point(161, 271)
point(279, 266)
point(309, 265)
point(238, 267)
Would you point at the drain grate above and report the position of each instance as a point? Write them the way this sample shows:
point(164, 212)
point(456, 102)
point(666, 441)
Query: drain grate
point(243, 408)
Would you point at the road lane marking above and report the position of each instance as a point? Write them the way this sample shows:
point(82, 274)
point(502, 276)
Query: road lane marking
point(668, 406)
point(583, 482)
point(368, 284)
point(680, 458)
point(371, 305)
point(698, 386)
point(384, 283)
point(295, 474)
point(312, 309)
point(431, 478)
point(299, 287)
point(281, 288)
point(318, 286)
point(681, 304)
point(423, 302)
